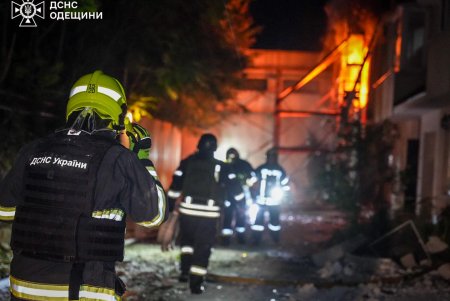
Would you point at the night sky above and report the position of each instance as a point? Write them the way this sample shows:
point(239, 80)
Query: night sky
point(289, 24)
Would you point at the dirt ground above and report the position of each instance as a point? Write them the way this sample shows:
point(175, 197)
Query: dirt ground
point(283, 272)
point(277, 272)
point(259, 274)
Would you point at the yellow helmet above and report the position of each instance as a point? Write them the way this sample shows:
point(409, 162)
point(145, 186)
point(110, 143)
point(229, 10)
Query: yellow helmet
point(101, 92)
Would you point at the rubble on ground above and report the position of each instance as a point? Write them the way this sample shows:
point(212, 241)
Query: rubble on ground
point(379, 278)
point(337, 273)
point(151, 275)
point(340, 272)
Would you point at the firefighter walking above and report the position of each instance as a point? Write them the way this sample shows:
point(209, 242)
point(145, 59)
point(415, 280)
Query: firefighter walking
point(196, 194)
point(234, 219)
point(68, 195)
point(270, 191)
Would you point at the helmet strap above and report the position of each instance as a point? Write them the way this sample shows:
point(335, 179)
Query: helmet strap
point(121, 125)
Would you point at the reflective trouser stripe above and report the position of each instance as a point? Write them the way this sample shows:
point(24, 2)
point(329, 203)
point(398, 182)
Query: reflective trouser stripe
point(257, 228)
point(41, 292)
point(227, 232)
point(274, 228)
point(199, 213)
point(197, 270)
point(268, 202)
point(47, 292)
point(97, 293)
point(200, 207)
point(187, 250)
point(240, 229)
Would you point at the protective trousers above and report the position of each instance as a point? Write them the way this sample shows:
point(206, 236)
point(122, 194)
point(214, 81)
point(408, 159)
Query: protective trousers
point(197, 237)
point(235, 211)
point(274, 223)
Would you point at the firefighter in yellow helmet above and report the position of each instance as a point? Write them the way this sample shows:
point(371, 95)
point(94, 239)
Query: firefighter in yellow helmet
point(68, 195)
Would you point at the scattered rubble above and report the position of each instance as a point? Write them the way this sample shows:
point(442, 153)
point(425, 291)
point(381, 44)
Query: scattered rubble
point(332, 274)
point(435, 245)
point(151, 275)
point(338, 251)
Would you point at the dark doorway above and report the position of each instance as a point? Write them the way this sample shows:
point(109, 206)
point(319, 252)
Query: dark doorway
point(410, 179)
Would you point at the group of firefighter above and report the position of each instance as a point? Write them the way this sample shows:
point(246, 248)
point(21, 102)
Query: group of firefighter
point(69, 194)
point(203, 187)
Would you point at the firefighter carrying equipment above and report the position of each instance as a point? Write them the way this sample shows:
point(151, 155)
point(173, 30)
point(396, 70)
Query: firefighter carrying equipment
point(55, 221)
point(166, 233)
point(200, 182)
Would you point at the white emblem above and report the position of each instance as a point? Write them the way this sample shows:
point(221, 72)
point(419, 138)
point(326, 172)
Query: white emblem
point(27, 10)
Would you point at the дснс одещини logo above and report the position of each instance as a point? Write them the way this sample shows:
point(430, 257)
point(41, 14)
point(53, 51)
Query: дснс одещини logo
point(27, 10)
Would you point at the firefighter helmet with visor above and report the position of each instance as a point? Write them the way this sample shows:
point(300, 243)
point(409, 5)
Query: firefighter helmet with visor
point(232, 154)
point(207, 143)
point(101, 92)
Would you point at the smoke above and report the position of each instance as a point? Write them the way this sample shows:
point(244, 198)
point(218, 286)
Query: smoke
point(347, 17)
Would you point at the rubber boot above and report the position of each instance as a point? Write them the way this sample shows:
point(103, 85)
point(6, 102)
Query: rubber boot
point(196, 284)
point(241, 238)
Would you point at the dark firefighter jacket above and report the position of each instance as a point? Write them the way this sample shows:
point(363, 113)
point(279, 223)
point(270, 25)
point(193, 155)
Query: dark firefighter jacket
point(243, 172)
point(68, 197)
point(201, 182)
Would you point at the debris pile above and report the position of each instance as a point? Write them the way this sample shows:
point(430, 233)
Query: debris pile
point(401, 264)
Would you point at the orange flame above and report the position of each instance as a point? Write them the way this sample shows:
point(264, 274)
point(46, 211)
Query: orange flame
point(351, 63)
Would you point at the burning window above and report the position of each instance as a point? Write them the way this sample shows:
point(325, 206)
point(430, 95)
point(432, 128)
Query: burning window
point(354, 73)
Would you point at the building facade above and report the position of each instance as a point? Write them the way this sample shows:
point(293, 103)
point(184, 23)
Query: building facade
point(410, 85)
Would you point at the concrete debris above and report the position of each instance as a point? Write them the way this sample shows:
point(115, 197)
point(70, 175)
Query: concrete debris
point(381, 279)
point(435, 245)
point(371, 291)
point(327, 271)
point(401, 241)
point(349, 270)
point(426, 263)
point(4, 289)
point(306, 290)
point(444, 271)
point(379, 267)
point(408, 261)
point(387, 267)
point(338, 251)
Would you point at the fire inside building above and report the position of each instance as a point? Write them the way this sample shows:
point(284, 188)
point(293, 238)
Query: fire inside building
point(300, 101)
